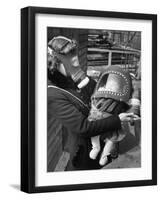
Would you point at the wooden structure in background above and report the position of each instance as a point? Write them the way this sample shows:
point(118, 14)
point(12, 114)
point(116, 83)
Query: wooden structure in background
point(107, 48)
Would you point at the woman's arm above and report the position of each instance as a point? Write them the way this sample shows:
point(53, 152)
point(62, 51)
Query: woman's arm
point(75, 121)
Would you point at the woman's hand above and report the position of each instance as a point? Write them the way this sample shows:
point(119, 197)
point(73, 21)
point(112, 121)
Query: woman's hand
point(127, 116)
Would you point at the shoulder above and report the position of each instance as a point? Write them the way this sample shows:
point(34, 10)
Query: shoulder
point(55, 92)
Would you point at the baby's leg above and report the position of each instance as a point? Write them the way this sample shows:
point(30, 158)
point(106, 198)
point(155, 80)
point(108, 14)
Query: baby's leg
point(95, 147)
point(109, 145)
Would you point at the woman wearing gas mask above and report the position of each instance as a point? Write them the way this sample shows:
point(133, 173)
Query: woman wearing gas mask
point(69, 95)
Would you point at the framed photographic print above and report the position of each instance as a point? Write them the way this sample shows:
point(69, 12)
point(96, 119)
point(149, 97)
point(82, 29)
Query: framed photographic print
point(88, 99)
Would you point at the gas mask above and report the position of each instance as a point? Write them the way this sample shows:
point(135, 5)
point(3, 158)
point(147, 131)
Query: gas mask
point(115, 84)
point(111, 96)
point(66, 51)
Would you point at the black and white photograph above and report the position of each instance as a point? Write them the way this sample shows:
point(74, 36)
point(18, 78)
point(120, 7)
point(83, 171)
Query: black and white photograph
point(93, 99)
point(89, 91)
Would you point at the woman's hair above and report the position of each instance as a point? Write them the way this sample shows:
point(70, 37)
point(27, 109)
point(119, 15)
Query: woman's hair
point(52, 62)
point(54, 76)
point(60, 45)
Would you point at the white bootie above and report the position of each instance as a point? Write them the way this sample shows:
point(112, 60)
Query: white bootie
point(106, 152)
point(94, 152)
point(95, 141)
point(103, 160)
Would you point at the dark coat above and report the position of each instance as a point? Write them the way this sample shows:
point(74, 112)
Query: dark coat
point(71, 107)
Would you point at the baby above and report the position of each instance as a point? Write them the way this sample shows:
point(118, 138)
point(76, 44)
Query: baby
point(112, 95)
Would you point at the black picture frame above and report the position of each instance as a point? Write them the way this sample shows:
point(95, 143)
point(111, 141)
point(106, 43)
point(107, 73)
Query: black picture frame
point(28, 98)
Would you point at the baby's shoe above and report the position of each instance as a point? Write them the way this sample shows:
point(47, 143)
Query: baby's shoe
point(106, 152)
point(104, 160)
point(94, 152)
